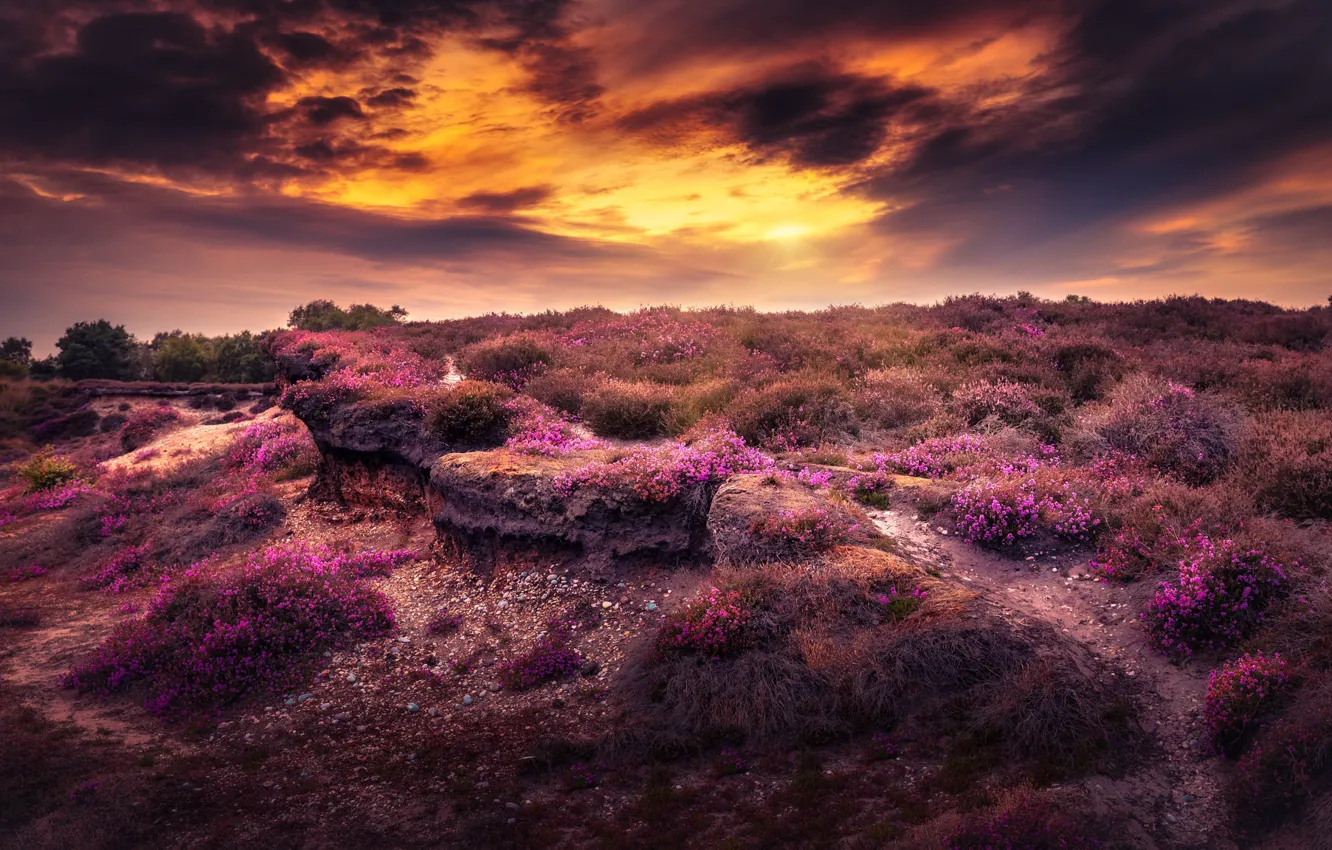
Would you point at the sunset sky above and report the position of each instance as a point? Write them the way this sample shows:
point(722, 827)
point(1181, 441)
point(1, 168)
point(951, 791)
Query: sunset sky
point(210, 164)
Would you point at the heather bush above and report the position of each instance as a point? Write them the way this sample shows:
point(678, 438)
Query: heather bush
point(1219, 597)
point(895, 398)
point(27, 572)
point(711, 625)
point(1004, 402)
point(1000, 512)
point(1239, 694)
point(273, 446)
point(13, 617)
point(1288, 383)
point(800, 533)
point(562, 389)
point(144, 424)
point(1283, 768)
point(898, 605)
point(210, 638)
point(511, 360)
point(1026, 825)
point(46, 471)
point(795, 412)
point(1172, 428)
point(661, 473)
point(871, 488)
point(631, 410)
point(125, 570)
point(1285, 460)
point(1088, 368)
point(549, 658)
point(471, 412)
point(541, 431)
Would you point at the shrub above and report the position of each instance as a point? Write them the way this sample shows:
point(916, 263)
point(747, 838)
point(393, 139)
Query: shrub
point(562, 389)
point(713, 625)
point(1281, 770)
point(27, 572)
point(803, 411)
point(209, 639)
point(1023, 826)
point(511, 360)
point(1239, 694)
point(896, 398)
point(662, 473)
point(871, 488)
point(1088, 368)
point(1004, 401)
point(539, 431)
point(802, 532)
point(46, 471)
point(1003, 511)
point(273, 445)
point(897, 605)
point(18, 618)
point(631, 410)
point(550, 658)
point(1285, 460)
point(123, 571)
point(1218, 598)
point(881, 747)
point(472, 412)
point(144, 424)
point(1169, 426)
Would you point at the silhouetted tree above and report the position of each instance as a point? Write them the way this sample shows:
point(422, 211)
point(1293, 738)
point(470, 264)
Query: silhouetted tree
point(239, 359)
point(97, 350)
point(179, 357)
point(17, 349)
point(324, 315)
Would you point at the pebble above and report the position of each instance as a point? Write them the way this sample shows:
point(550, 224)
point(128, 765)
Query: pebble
point(351, 678)
point(432, 711)
point(304, 697)
point(652, 606)
point(404, 639)
point(413, 707)
point(467, 699)
point(605, 604)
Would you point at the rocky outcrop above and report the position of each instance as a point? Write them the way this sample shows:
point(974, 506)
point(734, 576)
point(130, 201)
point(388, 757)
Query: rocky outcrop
point(485, 501)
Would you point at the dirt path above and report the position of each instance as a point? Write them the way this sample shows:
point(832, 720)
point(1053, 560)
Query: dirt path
point(1177, 793)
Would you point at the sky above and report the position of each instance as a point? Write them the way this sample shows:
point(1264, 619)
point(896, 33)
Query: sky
point(209, 164)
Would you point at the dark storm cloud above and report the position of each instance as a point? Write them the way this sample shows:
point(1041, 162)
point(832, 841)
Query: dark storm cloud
point(813, 115)
point(507, 202)
point(149, 88)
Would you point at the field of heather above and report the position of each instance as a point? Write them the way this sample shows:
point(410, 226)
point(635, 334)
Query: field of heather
point(993, 573)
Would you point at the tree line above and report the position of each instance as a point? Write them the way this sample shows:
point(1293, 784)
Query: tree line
point(99, 349)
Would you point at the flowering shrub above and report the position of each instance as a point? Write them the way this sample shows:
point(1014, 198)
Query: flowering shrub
point(1238, 694)
point(550, 658)
point(273, 445)
point(122, 571)
point(962, 457)
point(804, 530)
point(540, 431)
point(1172, 428)
point(1002, 512)
point(893, 398)
point(661, 473)
point(84, 793)
point(581, 777)
point(209, 639)
point(11, 617)
point(1006, 401)
point(1024, 826)
point(46, 471)
point(871, 488)
point(55, 498)
point(144, 424)
point(881, 748)
point(1218, 598)
point(316, 400)
point(25, 573)
point(897, 605)
point(711, 625)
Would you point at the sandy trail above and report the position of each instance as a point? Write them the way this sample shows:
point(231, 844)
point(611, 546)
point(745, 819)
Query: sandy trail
point(1177, 794)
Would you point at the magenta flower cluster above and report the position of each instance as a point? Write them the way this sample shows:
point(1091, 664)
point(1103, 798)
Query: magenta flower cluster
point(550, 657)
point(1005, 400)
point(1239, 693)
point(144, 424)
point(271, 445)
point(1218, 598)
point(210, 638)
point(1003, 511)
point(29, 571)
point(804, 530)
point(881, 748)
point(712, 625)
point(657, 336)
point(542, 431)
point(125, 570)
point(897, 605)
point(661, 473)
point(730, 762)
